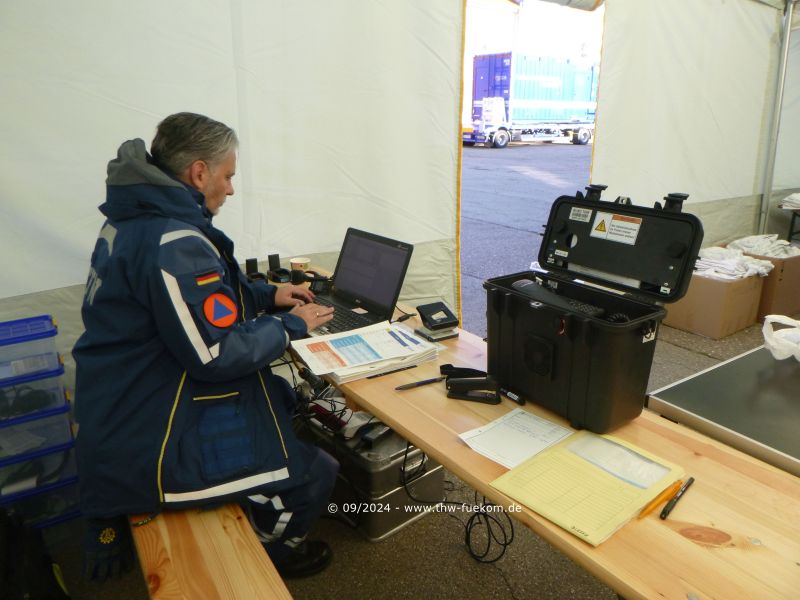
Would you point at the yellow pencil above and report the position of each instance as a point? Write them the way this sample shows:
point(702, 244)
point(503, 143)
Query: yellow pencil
point(665, 495)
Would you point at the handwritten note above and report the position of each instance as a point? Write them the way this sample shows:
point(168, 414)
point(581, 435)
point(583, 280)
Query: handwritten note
point(514, 437)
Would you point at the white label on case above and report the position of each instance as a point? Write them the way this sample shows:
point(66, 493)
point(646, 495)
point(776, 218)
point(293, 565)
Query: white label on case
point(584, 215)
point(562, 253)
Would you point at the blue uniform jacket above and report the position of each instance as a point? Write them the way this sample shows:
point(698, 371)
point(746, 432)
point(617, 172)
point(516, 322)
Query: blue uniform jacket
point(175, 401)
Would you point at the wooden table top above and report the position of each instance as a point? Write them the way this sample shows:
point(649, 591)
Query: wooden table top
point(736, 534)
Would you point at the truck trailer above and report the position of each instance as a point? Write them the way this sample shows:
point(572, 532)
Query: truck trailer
point(516, 97)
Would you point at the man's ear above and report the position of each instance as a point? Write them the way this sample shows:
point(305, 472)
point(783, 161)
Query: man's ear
point(197, 174)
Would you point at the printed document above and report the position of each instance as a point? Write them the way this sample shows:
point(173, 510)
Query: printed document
point(514, 437)
point(362, 351)
point(589, 484)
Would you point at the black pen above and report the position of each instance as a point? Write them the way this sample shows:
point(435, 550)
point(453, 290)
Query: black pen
point(390, 372)
point(408, 386)
point(674, 500)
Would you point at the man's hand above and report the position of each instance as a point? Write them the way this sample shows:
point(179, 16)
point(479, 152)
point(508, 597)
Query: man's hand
point(293, 295)
point(313, 314)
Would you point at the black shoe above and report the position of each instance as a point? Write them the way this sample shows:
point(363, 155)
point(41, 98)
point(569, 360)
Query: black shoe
point(309, 558)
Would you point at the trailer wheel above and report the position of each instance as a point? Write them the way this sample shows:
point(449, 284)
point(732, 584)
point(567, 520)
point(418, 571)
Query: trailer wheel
point(501, 138)
point(581, 137)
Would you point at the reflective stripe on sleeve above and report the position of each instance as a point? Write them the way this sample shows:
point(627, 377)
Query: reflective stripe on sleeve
point(204, 353)
point(288, 340)
point(182, 233)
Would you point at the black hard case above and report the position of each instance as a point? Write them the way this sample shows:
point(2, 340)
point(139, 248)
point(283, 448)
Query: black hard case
point(590, 370)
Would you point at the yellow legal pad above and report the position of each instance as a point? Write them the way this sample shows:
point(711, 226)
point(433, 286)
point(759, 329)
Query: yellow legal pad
point(589, 484)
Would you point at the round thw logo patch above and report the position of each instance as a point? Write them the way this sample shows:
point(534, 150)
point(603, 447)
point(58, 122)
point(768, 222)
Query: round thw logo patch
point(220, 310)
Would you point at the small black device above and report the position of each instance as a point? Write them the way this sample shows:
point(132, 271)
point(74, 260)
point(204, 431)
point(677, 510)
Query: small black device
point(437, 316)
point(276, 273)
point(279, 275)
point(436, 336)
point(320, 286)
point(299, 276)
point(251, 268)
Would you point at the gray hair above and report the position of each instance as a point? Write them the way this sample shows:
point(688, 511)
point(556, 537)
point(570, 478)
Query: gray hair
point(185, 137)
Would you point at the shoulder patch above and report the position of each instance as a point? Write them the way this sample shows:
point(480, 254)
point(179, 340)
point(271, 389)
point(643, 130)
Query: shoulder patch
point(220, 310)
point(206, 278)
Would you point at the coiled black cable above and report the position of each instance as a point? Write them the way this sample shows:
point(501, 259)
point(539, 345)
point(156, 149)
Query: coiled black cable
point(484, 516)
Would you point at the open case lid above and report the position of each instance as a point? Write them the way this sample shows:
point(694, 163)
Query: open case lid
point(645, 252)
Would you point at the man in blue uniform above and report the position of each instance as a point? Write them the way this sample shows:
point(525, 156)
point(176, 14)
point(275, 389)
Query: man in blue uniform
point(175, 400)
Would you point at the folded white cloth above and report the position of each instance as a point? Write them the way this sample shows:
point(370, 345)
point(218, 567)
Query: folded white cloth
point(730, 263)
point(791, 202)
point(765, 245)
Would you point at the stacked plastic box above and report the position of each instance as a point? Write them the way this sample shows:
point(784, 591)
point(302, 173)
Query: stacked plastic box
point(38, 476)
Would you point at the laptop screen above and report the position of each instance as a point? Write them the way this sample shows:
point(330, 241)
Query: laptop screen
point(371, 270)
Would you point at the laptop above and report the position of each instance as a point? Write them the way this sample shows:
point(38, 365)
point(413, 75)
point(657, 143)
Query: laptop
point(366, 282)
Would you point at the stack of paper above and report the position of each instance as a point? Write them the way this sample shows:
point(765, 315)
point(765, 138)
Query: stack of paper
point(515, 437)
point(363, 352)
point(591, 485)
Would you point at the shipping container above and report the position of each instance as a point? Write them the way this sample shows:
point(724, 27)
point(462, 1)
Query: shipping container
point(519, 97)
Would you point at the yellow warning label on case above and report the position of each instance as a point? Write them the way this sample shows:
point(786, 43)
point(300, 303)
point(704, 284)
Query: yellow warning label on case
point(616, 228)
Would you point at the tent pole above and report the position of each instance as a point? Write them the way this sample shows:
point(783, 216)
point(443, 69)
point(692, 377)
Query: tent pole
point(769, 168)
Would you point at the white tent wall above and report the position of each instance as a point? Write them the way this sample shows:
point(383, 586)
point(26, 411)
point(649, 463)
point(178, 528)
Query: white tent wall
point(787, 171)
point(370, 137)
point(684, 105)
point(347, 113)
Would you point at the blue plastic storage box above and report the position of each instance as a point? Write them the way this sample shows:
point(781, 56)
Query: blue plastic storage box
point(27, 347)
point(34, 470)
point(31, 394)
point(47, 505)
point(34, 433)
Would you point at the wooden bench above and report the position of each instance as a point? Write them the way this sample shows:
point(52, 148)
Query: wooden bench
point(205, 554)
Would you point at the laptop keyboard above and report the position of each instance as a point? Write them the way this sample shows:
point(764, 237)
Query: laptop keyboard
point(343, 319)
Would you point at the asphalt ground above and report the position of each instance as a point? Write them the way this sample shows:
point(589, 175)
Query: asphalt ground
point(506, 195)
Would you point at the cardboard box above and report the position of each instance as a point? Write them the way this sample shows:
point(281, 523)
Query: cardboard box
point(781, 292)
point(716, 308)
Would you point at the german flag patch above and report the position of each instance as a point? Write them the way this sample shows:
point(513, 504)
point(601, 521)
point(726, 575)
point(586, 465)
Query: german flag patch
point(207, 278)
